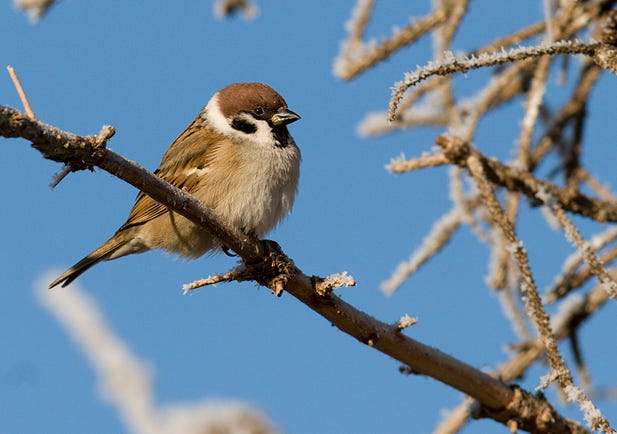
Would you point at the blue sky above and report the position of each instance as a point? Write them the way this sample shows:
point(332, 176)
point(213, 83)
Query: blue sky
point(148, 71)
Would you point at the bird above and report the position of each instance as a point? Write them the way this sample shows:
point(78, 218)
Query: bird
point(237, 156)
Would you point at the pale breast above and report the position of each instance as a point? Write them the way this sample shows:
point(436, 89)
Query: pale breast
point(256, 189)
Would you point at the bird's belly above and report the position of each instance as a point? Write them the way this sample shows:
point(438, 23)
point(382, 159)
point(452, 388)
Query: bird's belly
point(257, 210)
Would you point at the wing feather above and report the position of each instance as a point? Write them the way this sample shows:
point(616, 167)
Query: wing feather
point(194, 148)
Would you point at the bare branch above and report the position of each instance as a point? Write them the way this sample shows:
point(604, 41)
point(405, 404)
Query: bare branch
point(355, 59)
point(21, 92)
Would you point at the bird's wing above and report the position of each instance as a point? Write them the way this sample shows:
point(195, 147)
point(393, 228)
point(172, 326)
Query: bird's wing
point(183, 165)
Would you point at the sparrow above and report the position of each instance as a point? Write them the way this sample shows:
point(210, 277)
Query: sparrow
point(237, 157)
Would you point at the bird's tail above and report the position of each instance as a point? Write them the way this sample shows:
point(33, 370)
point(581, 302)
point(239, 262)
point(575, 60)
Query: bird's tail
point(101, 254)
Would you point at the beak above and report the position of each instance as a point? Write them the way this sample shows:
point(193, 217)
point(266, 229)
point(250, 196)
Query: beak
point(283, 117)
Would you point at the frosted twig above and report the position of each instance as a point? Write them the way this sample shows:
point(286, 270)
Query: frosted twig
point(360, 16)
point(593, 416)
point(354, 59)
point(509, 298)
point(548, 14)
point(606, 55)
point(59, 176)
point(402, 166)
point(464, 64)
point(425, 88)
point(406, 321)
point(440, 234)
point(210, 280)
point(331, 282)
point(514, 179)
point(354, 48)
point(500, 89)
point(534, 101)
point(533, 303)
point(531, 297)
point(468, 205)
point(595, 185)
point(568, 279)
point(576, 104)
point(501, 262)
point(576, 313)
point(442, 39)
point(586, 251)
point(454, 419)
point(513, 38)
point(376, 124)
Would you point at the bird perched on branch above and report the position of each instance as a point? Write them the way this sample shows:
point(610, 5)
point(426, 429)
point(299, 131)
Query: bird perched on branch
point(237, 157)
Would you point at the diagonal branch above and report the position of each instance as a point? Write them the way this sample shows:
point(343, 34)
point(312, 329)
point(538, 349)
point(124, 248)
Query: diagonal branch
point(500, 400)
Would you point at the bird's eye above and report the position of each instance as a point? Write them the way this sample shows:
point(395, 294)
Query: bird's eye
point(258, 111)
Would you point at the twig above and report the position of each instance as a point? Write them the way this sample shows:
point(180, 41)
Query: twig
point(59, 176)
point(463, 64)
point(585, 250)
point(576, 314)
point(351, 61)
point(406, 321)
point(20, 91)
point(595, 185)
point(524, 182)
point(437, 238)
point(548, 20)
point(571, 278)
point(401, 165)
point(333, 281)
point(211, 280)
point(560, 373)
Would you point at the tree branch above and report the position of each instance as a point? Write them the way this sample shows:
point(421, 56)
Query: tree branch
point(456, 151)
point(270, 266)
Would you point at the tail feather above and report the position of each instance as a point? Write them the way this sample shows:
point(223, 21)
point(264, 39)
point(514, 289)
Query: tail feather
point(100, 254)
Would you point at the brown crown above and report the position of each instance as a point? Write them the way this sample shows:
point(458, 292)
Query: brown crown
point(241, 97)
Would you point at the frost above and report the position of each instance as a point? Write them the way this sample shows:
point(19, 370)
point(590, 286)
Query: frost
point(406, 321)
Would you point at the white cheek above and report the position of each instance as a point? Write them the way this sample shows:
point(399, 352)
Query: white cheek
point(213, 115)
point(262, 137)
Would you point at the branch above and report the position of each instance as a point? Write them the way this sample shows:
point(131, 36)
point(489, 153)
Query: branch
point(463, 64)
point(497, 398)
point(524, 182)
point(356, 57)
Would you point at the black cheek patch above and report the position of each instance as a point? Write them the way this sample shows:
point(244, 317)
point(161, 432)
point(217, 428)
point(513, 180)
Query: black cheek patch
point(243, 125)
